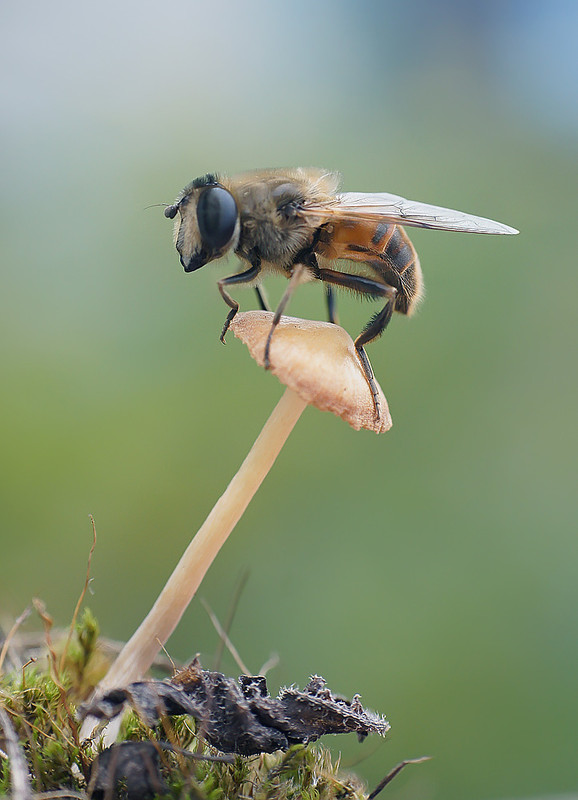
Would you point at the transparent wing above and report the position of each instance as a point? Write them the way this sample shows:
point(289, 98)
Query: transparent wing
point(391, 208)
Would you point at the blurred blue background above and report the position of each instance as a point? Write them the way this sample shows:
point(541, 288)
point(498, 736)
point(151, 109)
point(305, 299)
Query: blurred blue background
point(433, 569)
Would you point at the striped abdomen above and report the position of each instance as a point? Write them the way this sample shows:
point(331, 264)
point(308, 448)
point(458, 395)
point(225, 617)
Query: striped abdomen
point(384, 248)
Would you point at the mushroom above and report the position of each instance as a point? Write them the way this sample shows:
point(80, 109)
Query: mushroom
point(319, 365)
point(319, 362)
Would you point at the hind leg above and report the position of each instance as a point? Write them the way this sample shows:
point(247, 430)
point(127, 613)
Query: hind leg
point(377, 324)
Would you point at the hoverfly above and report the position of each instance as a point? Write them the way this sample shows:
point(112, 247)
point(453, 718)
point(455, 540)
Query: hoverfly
point(295, 222)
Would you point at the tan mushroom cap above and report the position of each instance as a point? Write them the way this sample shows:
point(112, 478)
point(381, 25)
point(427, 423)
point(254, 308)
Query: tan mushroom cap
point(318, 360)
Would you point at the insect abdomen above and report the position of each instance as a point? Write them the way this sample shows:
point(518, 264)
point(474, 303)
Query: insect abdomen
point(396, 250)
point(383, 247)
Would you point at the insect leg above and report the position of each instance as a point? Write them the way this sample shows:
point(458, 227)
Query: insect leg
point(378, 323)
point(241, 277)
point(331, 304)
point(262, 298)
point(298, 270)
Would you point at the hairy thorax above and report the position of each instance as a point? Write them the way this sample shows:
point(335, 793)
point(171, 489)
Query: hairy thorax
point(272, 226)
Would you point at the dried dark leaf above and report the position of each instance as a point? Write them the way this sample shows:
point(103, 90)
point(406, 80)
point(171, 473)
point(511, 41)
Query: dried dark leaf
point(128, 769)
point(241, 717)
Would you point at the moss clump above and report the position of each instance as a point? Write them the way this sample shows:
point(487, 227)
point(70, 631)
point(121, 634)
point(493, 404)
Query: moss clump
point(41, 698)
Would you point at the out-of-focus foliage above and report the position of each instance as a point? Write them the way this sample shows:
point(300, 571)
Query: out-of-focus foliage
point(433, 567)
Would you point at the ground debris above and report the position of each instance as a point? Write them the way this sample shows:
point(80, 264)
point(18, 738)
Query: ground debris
point(128, 769)
point(241, 717)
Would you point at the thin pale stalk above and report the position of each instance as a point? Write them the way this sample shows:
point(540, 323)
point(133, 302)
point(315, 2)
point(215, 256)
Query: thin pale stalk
point(140, 651)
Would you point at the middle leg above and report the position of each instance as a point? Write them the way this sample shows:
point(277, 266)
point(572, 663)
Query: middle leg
point(331, 304)
point(262, 298)
point(296, 275)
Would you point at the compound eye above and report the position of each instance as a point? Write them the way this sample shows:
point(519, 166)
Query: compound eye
point(217, 217)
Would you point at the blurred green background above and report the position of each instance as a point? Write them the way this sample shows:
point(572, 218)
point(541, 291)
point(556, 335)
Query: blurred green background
point(433, 569)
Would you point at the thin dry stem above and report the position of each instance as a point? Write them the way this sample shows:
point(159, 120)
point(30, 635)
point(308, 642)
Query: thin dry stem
point(21, 789)
point(230, 616)
point(11, 633)
point(225, 638)
point(82, 595)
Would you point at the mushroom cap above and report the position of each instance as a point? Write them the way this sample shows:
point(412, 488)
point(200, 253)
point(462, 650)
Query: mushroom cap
point(318, 360)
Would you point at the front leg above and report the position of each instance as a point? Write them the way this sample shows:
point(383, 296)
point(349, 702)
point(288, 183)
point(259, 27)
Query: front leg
point(241, 277)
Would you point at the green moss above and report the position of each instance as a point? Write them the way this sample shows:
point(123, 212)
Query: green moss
point(42, 699)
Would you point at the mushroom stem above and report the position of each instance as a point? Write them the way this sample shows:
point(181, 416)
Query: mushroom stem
point(139, 652)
